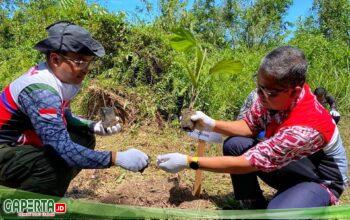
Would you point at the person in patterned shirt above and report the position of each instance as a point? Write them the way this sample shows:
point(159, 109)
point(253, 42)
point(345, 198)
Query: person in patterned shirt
point(302, 157)
point(325, 98)
point(43, 145)
point(248, 102)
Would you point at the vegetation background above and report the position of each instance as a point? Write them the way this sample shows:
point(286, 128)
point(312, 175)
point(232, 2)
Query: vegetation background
point(148, 80)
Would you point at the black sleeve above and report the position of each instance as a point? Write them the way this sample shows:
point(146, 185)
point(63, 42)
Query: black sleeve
point(331, 101)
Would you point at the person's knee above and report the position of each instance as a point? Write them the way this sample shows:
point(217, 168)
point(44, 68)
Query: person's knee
point(36, 170)
point(236, 146)
point(49, 176)
point(302, 195)
point(47, 186)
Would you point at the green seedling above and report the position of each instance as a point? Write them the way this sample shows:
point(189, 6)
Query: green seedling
point(184, 41)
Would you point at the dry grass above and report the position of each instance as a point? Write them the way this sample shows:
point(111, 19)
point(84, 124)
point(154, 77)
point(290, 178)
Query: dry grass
point(154, 187)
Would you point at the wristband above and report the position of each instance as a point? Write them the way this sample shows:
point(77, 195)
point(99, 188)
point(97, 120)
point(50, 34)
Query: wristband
point(194, 164)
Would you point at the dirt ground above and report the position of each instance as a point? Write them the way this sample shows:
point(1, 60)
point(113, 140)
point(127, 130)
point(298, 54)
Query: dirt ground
point(154, 187)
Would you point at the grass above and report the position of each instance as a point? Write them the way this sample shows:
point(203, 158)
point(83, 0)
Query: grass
point(156, 188)
point(345, 135)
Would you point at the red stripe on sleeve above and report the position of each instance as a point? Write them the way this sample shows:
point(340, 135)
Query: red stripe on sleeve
point(48, 111)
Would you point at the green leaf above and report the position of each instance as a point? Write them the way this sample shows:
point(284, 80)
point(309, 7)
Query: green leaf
point(192, 77)
point(182, 40)
point(226, 66)
point(183, 90)
point(200, 60)
point(66, 3)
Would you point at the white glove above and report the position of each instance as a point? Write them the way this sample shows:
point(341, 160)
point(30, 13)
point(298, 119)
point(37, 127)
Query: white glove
point(99, 129)
point(203, 121)
point(335, 113)
point(173, 162)
point(132, 159)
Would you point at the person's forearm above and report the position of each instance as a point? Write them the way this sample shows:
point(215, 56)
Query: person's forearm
point(331, 101)
point(233, 128)
point(113, 157)
point(77, 121)
point(225, 164)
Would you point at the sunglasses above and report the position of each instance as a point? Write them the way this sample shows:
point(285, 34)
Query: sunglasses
point(79, 63)
point(267, 92)
point(270, 92)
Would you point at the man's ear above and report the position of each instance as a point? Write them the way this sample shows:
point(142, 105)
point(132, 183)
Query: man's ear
point(54, 59)
point(296, 91)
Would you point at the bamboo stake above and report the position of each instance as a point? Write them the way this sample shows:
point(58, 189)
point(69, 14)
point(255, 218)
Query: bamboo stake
point(198, 177)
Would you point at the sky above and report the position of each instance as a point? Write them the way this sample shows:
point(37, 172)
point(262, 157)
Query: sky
point(299, 8)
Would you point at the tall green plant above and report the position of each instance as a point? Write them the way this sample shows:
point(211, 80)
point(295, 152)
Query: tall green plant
point(184, 41)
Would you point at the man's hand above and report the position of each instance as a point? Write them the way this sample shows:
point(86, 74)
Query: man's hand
point(132, 159)
point(203, 121)
point(336, 116)
point(173, 162)
point(100, 130)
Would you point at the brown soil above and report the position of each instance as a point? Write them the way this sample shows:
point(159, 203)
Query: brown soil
point(186, 122)
point(165, 191)
point(154, 187)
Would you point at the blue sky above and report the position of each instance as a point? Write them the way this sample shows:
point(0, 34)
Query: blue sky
point(300, 8)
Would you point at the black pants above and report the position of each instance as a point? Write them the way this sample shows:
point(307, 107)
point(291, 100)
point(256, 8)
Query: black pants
point(39, 170)
point(294, 182)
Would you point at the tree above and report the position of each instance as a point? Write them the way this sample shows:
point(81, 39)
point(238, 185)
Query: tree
point(332, 18)
point(171, 12)
point(239, 22)
point(262, 22)
point(208, 22)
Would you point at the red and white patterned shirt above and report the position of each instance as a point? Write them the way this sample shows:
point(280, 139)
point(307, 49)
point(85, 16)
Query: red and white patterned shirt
point(288, 144)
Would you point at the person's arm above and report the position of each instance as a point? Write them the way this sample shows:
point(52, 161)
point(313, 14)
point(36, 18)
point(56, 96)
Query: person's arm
point(334, 112)
point(36, 104)
point(252, 123)
point(175, 162)
point(290, 144)
point(78, 122)
point(225, 164)
point(331, 101)
point(229, 128)
point(42, 106)
point(233, 128)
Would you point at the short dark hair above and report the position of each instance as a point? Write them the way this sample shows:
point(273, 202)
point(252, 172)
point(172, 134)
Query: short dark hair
point(48, 53)
point(320, 91)
point(286, 64)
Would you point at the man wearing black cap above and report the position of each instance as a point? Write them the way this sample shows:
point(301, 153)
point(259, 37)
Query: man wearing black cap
point(42, 144)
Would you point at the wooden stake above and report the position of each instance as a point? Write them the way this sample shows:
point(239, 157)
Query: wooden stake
point(198, 178)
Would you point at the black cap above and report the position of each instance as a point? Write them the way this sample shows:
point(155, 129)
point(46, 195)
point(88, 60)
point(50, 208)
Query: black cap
point(68, 37)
